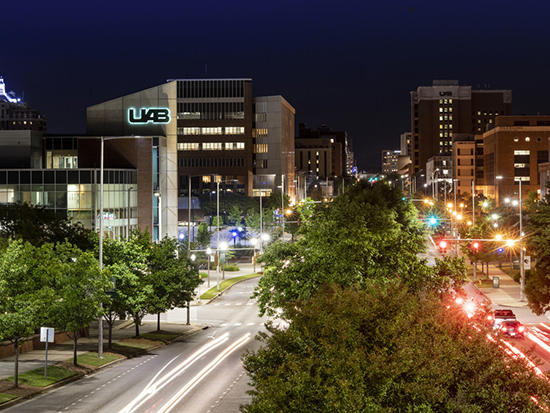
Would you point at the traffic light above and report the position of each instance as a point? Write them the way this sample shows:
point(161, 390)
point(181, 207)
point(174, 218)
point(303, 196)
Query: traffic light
point(432, 221)
point(442, 246)
point(476, 245)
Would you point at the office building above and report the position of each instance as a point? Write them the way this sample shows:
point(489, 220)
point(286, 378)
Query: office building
point(440, 111)
point(212, 134)
point(390, 161)
point(15, 115)
point(514, 149)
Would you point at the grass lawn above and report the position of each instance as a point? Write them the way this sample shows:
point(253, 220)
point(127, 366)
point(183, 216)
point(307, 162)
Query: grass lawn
point(36, 377)
point(6, 397)
point(211, 293)
point(91, 358)
point(161, 336)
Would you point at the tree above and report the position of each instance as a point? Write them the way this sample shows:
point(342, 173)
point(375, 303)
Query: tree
point(80, 289)
point(26, 290)
point(203, 236)
point(384, 348)
point(235, 215)
point(367, 233)
point(38, 225)
point(537, 284)
point(172, 275)
point(125, 262)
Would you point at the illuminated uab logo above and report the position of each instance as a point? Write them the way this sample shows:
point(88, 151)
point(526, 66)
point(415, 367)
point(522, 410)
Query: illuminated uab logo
point(149, 115)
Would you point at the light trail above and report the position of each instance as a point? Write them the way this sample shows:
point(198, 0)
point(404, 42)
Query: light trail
point(153, 387)
point(203, 373)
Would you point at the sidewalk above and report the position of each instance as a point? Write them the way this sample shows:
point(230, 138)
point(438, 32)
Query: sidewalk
point(506, 296)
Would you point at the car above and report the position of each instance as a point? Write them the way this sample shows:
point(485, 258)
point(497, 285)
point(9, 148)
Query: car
point(511, 328)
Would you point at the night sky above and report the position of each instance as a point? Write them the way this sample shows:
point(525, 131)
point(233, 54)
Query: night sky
point(348, 64)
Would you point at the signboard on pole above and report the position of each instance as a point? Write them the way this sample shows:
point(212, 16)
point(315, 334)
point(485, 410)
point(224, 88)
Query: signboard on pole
point(527, 262)
point(46, 335)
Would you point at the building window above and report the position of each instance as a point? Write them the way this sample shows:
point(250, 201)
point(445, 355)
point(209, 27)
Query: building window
point(260, 148)
point(188, 146)
point(212, 146)
point(234, 130)
point(234, 146)
point(211, 131)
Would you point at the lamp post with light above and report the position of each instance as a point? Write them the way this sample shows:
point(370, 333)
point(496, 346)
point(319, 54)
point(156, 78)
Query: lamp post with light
point(521, 254)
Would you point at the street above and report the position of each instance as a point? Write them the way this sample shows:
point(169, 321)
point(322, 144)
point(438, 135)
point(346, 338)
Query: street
point(203, 373)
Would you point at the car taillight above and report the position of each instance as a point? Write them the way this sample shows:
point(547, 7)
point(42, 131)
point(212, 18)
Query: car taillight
point(489, 317)
point(459, 300)
point(521, 328)
point(503, 329)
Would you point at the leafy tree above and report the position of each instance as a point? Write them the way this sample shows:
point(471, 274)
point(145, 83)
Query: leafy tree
point(125, 262)
point(38, 225)
point(80, 289)
point(235, 215)
point(537, 284)
point(26, 289)
point(172, 275)
point(228, 200)
point(383, 348)
point(203, 236)
point(367, 233)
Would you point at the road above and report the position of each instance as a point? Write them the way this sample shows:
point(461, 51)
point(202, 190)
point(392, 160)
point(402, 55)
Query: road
point(203, 373)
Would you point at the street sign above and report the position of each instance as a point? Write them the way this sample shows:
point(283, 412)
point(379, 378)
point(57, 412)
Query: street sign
point(46, 335)
point(222, 256)
point(527, 262)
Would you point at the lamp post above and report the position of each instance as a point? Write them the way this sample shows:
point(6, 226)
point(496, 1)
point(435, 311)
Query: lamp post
point(223, 247)
point(521, 262)
point(129, 213)
point(159, 212)
point(208, 253)
point(254, 241)
point(218, 228)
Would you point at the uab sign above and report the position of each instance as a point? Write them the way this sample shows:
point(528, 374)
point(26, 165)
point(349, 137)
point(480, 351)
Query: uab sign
point(149, 115)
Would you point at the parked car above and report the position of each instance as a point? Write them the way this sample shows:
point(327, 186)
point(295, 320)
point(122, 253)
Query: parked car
point(511, 328)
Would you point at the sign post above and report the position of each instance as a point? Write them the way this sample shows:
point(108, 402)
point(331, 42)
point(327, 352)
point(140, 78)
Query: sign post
point(46, 336)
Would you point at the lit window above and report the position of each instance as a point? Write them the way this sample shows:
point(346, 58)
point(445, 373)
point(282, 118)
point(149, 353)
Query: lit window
point(450, 101)
point(441, 109)
point(527, 139)
point(440, 118)
point(211, 131)
point(234, 130)
point(188, 146)
point(235, 146)
point(522, 152)
point(478, 113)
point(445, 101)
point(516, 139)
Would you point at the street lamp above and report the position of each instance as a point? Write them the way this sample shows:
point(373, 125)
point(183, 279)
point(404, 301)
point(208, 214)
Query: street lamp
point(521, 263)
point(254, 242)
point(223, 247)
point(159, 212)
point(208, 253)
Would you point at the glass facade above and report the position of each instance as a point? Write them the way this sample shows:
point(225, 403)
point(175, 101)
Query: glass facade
point(75, 194)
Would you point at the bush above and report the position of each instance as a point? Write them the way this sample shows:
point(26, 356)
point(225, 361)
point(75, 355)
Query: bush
point(231, 267)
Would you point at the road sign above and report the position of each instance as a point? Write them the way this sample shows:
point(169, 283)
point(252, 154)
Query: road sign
point(527, 262)
point(46, 335)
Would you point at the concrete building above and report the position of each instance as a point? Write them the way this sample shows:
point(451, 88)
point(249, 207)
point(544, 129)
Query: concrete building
point(514, 149)
point(390, 161)
point(440, 111)
point(405, 143)
point(274, 151)
point(211, 134)
point(464, 163)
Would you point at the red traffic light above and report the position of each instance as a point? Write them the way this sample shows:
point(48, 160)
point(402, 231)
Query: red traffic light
point(475, 246)
point(443, 245)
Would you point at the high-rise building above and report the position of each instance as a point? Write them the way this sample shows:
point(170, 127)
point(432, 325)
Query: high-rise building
point(440, 111)
point(212, 135)
point(513, 150)
point(390, 161)
point(15, 115)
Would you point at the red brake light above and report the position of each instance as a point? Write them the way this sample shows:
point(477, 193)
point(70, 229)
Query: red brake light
point(521, 329)
point(459, 300)
point(489, 317)
point(503, 329)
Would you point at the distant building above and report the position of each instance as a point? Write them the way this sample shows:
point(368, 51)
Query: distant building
point(405, 140)
point(323, 152)
point(15, 115)
point(440, 111)
point(514, 149)
point(390, 161)
point(464, 163)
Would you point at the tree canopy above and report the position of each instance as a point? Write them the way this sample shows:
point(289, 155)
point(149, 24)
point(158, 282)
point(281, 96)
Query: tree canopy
point(367, 233)
point(385, 349)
